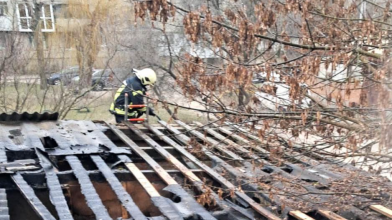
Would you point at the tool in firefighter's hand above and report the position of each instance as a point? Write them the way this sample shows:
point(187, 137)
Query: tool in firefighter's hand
point(126, 107)
point(152, 113)
point(137, 106)
point(159, 119)
point(147, 109)
point(136, 119)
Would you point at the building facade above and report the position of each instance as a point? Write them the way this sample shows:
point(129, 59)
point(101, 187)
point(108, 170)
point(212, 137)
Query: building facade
point(60, 30)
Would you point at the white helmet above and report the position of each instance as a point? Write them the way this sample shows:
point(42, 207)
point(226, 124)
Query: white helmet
point(147, 76)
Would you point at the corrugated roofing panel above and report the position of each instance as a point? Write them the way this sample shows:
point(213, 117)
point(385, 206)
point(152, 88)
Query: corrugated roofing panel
point(36, 117)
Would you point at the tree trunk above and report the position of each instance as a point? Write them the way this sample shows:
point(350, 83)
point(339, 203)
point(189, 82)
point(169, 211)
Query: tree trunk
point(243, 98)
point(39, 45)
point(41, 58)
point(85, 66)
point(88, 49)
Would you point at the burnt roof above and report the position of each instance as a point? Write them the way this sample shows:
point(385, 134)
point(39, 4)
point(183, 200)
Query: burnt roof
point(95, 170)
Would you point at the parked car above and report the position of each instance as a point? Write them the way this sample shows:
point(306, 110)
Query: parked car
point(110, 78)
point(121, 74)
point(64, 76)
point(99, 80)
point(275, 94)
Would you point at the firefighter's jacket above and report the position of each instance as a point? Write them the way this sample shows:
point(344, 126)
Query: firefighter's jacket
point(135, 90)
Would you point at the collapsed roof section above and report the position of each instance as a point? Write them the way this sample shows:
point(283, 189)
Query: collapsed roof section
point(95, 170)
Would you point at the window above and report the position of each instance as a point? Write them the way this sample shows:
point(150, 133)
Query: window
point(3, 8)
point(25, 14)
point(47, 18)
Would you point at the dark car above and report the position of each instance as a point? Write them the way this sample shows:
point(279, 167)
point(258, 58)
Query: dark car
point(106, 79)
point(102, 79)
point(110, 78)
point(64, 76)
point(120, 74)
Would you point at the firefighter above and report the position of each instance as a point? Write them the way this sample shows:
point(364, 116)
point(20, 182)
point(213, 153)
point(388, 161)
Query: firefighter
point(136, 88)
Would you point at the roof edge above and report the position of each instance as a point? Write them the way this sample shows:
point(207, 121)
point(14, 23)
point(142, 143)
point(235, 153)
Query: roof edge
point(25, 116)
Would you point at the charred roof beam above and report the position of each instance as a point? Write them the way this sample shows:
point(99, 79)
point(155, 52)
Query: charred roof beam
point(4, 212)
point(88, 190)
point(173, 187)
point(34, 201)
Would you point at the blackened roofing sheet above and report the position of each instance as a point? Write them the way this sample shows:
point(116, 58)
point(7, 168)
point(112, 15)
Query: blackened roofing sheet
point(36, 117)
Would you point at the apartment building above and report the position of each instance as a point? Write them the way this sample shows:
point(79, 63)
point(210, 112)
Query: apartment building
point(18, 25)
point(19, 16)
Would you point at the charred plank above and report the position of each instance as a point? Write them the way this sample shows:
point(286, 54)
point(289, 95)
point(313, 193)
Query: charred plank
point(4, 213)
point(34, 201)
point(167, 207)
point(214, 143)
point(121, 193)
point(88, 190)
point(242, 196)
point(196, 181)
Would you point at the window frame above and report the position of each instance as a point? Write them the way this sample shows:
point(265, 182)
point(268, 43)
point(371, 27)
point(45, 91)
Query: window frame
point(43, 17)
point(27, 17)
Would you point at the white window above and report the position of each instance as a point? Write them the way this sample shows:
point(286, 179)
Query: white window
point(25, 14)
point(3, 8)
point(47, 18)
